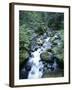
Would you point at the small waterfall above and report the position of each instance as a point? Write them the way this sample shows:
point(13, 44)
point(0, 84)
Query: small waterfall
point(37, 65)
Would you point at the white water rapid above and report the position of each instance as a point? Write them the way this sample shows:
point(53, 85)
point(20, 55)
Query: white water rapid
point(37, 65)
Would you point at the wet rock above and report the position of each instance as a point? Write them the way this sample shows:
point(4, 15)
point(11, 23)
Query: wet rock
point(55, 65)
point(34, 47)
point(50, 32)
point(27, 67)
point(23, 74)
point(25, 71)
point(45, 69)
point(39, 41)
point(40, 69)
point(46, 56)
point(33, 72)
point(45, 36)
point(45, 64)
point(56, 38)
point(60, 62)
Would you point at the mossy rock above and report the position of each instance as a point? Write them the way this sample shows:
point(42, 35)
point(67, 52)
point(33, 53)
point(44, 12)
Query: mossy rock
point(60, 56)
point(59, 53)
point(46, 56)
point(50, 33)
point(57, 50)
point(52, 39)
point(23, 56)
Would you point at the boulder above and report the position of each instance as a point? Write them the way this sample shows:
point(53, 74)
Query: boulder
point(46, 56)
point(60, 56)
point(23, 55)
point(59, 53)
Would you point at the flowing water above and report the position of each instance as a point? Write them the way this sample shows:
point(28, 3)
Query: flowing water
point(37, 65)
point(37, 68)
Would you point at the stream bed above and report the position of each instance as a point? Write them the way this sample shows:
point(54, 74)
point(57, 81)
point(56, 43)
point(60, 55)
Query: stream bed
point(42, 63)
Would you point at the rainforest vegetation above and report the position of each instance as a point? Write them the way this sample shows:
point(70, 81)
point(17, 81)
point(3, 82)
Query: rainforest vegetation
point(34, 27)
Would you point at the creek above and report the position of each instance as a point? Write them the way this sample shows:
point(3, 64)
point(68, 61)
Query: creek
point(35, 67)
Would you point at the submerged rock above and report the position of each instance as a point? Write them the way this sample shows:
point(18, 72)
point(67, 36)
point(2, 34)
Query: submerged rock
point(47, 55)
point(39, 41)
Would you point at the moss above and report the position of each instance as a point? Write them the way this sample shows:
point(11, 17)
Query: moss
point(61, 57)
point(23, 56)
point(46, 56)
point(59, 73)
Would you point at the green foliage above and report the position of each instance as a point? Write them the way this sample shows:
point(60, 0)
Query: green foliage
point(39, 31)
point(24, 42)
point(25, 34)
point(23, 55)
point(33, 22)
point(30, 19)
point(58, 49)
point(56, 21)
